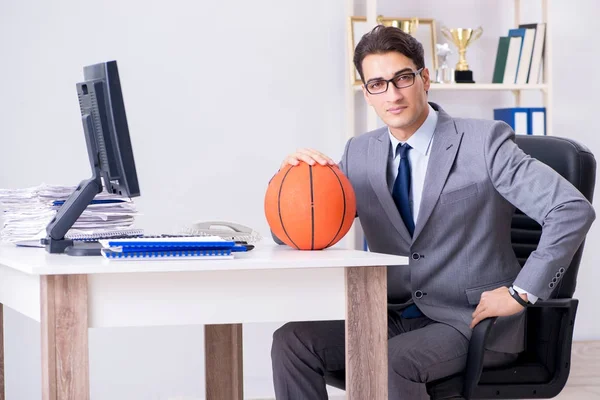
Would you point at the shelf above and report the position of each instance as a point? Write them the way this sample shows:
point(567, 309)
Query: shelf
point(486, 86)
point(480, 86)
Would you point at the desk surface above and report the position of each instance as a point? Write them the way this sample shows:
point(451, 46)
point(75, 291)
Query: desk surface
point(266, 255)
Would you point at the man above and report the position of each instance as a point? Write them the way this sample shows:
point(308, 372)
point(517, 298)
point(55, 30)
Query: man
point(442, 191)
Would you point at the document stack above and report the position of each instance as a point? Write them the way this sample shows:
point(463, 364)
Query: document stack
point(27, 212)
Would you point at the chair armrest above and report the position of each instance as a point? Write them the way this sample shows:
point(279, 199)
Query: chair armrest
point(554, 303)
point(481, 332)
point(475, 355)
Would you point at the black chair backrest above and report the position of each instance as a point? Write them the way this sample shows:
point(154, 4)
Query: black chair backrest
point(576, 164)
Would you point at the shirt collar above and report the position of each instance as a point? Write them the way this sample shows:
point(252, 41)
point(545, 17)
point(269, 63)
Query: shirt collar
point(421, 139)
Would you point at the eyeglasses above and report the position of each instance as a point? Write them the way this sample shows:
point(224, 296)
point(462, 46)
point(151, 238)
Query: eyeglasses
point(401, 81)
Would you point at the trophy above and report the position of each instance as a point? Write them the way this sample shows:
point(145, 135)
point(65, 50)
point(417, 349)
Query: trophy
point(409, 25)
point(462, 38)
point(444, 74)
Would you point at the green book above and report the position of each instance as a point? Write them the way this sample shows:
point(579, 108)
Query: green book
point(501, 59)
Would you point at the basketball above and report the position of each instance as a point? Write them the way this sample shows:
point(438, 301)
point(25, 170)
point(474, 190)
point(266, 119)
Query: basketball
point(310, 207)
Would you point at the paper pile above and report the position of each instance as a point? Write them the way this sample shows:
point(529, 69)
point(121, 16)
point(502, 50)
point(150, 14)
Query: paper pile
point(27, 212)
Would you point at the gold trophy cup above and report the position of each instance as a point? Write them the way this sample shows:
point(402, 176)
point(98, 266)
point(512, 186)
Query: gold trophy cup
point(462, 38)
point(408, 25)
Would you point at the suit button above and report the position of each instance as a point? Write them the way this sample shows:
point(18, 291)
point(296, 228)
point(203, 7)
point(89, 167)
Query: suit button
point(416, 256)
point(551, 285)
point(418, 294)
point(561, 270)
point(554, 280)
point(558, 274)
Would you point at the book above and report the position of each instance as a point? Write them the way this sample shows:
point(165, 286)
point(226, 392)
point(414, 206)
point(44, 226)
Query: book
point(512, 59)
point(538, 51)
point(526, 54)
point(501, 55)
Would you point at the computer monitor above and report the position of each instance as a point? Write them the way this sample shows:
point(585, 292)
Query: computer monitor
point(109, 151)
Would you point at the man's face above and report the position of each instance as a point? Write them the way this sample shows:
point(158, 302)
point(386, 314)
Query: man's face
point(403, 110)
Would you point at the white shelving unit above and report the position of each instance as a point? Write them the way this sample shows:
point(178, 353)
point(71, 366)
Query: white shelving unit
point(480, 86)
point(546, 87)
point(372, 118)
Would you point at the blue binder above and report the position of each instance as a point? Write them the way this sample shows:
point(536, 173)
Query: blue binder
point(523, 120)
point(516, 117)
point(536, 121)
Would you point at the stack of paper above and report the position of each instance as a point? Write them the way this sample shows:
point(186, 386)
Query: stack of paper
point(27, 212)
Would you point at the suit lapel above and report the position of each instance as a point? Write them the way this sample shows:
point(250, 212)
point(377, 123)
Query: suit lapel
point(378, 153)
point(446, 141)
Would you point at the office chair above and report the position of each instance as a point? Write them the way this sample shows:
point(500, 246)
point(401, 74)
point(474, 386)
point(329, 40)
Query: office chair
point(541, 371)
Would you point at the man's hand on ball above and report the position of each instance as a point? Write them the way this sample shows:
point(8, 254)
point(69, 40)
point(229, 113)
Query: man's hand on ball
point(308, 156)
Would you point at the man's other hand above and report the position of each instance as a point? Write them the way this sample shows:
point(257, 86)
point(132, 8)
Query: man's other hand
point(496, 303)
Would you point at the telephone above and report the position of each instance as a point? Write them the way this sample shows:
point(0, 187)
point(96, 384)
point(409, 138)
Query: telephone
point(223, 229)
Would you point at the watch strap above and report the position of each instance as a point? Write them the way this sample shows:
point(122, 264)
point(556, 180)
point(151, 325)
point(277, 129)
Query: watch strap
point(515, 295)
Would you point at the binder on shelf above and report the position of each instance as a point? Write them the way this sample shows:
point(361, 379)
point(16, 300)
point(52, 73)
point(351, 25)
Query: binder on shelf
point(537, 121)
point(516, 117)
point(523, 120)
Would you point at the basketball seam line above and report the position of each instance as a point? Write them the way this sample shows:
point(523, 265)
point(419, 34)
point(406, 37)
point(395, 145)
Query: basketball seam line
point(312, 209)
point(279, 209)
point(344, 213)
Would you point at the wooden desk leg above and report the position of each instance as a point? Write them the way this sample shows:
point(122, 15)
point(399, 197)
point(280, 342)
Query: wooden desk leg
point(1, 351)
point(366, 333)
point(64, 322)
point(224, 367)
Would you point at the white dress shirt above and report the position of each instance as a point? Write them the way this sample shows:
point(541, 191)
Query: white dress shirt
point(418, 158)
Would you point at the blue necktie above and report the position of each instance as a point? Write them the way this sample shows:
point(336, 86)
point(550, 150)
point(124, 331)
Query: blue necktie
point(401, 195)
point(401, 190)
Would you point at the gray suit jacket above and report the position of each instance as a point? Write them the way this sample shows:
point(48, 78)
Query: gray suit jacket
point(461, 245)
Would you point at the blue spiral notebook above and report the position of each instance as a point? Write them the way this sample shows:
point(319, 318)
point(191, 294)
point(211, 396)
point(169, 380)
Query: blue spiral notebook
point(169, 254)
point(160, 248)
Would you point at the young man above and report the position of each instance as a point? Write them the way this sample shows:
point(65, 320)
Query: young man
point(442, 191)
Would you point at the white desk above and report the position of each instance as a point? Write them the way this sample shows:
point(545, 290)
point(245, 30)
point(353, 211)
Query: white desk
point(68, 295)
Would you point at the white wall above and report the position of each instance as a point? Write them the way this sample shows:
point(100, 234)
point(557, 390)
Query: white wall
point(282, 77)
point(216, 94)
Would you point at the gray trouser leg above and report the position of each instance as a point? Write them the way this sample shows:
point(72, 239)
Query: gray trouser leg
point(301, 353)
point(419, 350)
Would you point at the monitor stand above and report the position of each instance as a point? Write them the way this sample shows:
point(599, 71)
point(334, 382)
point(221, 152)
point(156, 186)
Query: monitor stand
point(67, 215)
point(84, 249)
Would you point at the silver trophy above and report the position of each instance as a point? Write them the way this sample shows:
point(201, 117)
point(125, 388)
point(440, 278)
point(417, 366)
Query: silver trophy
point(444, 74)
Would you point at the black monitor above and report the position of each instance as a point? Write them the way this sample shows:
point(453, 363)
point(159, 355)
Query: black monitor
point(109, 151)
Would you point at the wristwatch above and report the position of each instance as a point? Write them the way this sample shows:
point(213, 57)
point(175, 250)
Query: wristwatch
point(515, 295)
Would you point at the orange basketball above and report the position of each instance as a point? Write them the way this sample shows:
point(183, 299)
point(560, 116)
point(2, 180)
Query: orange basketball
point(310, 207)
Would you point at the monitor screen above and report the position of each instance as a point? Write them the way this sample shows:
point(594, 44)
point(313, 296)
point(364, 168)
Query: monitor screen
point(109, 151)
point(100, 97)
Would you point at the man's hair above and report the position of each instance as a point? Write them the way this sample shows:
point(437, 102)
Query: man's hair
point(384, 39)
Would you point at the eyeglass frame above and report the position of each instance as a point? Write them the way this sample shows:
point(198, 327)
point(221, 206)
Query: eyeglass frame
point(387, 81)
